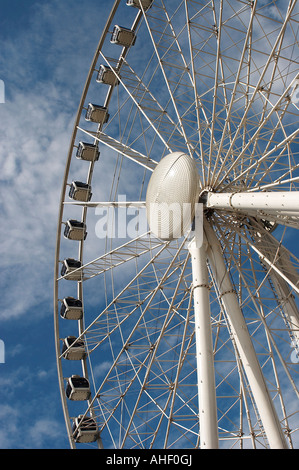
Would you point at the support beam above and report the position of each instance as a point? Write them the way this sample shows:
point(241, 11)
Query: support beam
point(243, 342)
point(204, 349)
point(287, 201)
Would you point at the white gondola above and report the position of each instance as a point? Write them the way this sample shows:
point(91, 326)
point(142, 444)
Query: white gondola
point(77, 388)
point(123, 36)
point(146, 4)
point(107, 76)
point(85, 429)
point(88, 152)
point(75, 230)
point(70, 269)
point(73, 349)
point(80, 191)
point(96, 113)
point(71, 309)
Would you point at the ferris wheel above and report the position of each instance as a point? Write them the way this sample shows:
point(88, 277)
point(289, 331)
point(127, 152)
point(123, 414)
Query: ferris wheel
point(176, 276)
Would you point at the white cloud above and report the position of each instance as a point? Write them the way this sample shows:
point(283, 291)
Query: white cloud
point(8, 416)
point(42, 430)
point(30, 194)
point(44, 66)
point(23, 423)
point(45, 80)
point(28, 430)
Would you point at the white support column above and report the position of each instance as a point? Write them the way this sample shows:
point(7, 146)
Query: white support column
point(204, 349)
point(243, 343)
point(271, 201)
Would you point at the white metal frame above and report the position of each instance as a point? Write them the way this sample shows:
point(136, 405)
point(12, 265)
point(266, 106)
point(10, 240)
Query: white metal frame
point(204, 347)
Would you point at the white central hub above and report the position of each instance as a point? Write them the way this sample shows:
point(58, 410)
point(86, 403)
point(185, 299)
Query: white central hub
point(171, 196)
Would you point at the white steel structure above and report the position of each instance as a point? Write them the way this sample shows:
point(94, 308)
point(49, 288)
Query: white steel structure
point(186, 341)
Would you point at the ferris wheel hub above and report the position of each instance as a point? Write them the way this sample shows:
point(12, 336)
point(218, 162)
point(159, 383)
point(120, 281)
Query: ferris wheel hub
point(172, 193)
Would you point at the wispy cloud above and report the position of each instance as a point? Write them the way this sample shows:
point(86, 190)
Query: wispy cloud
point(44, 81)
point(18, 431)
point(44, 63)
point(27, 421)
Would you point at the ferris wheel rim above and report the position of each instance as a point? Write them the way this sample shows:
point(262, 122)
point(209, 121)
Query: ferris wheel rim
point(60, 217)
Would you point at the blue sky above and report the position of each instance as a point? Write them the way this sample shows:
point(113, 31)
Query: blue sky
point(45, 52)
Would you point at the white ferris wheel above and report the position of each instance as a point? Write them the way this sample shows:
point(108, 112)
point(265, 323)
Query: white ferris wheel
point(186, 338)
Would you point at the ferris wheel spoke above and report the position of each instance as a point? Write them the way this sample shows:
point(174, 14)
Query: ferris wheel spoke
point(94, 329)
point(124, 150)
point(282, 146)
point(172, 59)
point(141, 109)
point(130, 339)
point(284, 276)
point(196, 95)
point(232, 100)
point(157, 376)
point(148, 101)
point(156, 115)
point(257, 87)
point(288, 305)
point(266, 95)
point(272, 256)
point(281, 279)
point(126, 297)
point(282, 181)
point(256, 135)
point(118, 256)
point(218, 30)
point(182, 355)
